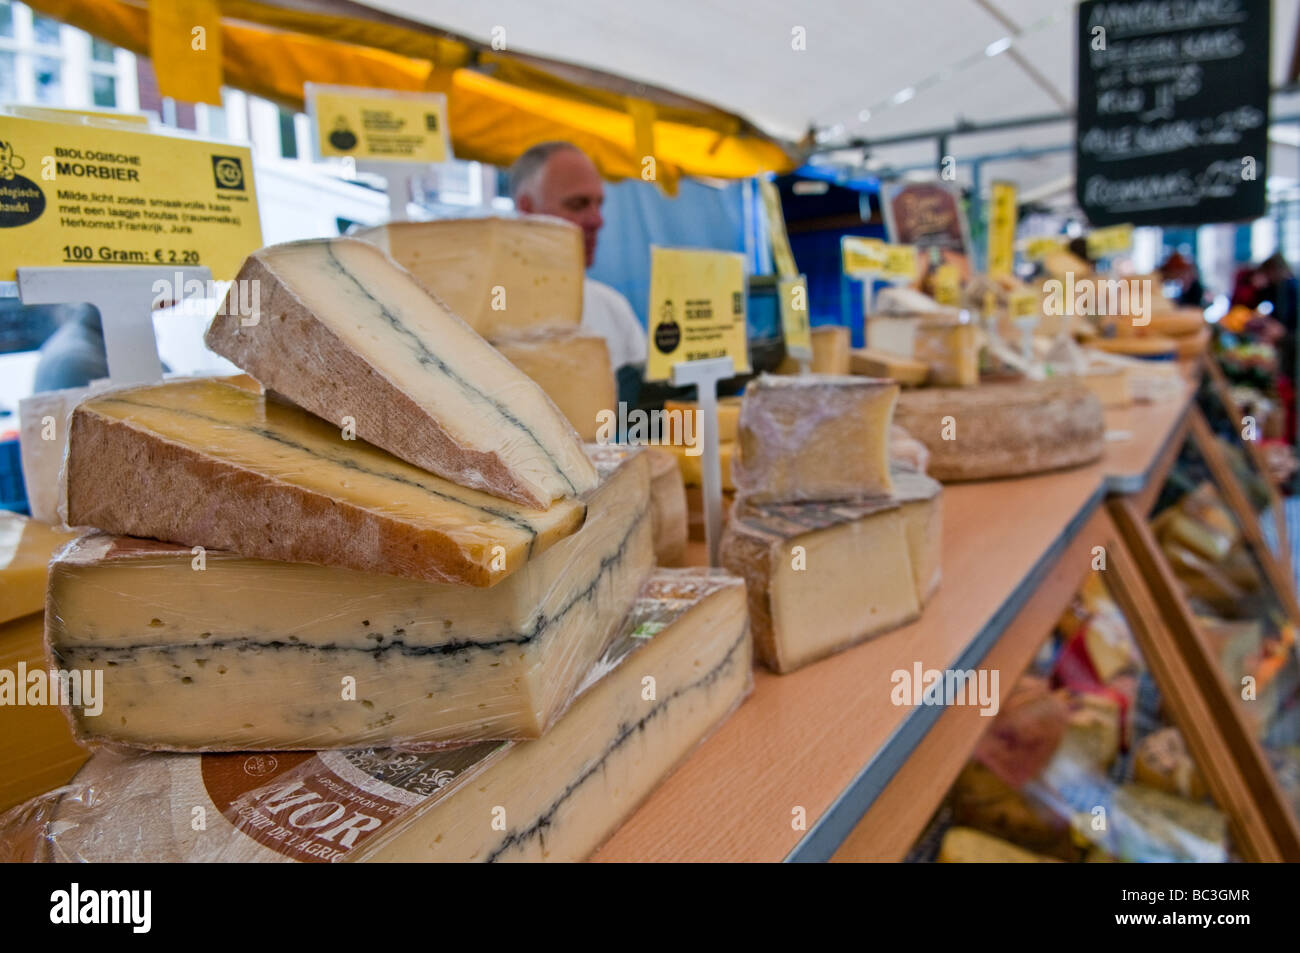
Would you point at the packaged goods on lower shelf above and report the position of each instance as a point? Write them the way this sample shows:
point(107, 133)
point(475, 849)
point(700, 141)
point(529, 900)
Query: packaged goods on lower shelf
point(37, 750)
point(1163, 762)
point(668, 509)
point(204, 463)
point(679, 667)
point(26, 546)
point(247, 654)
point(962, 845)
point(573, 369)
point(1004, 429)
point(814, 437)
point(821, 576)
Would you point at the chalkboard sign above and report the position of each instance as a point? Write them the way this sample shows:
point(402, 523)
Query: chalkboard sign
point(1173, 111)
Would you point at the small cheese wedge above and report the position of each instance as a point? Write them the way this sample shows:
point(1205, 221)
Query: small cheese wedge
point(728, 419)
point(553, 799)
point(814, 437)
point(202, 463)
point(26, 546)
point(831, 344)
point(502, 275)
point(573, 369)
point(821, 577)
point(668, 508)
point(343, 331)
point(921, 502)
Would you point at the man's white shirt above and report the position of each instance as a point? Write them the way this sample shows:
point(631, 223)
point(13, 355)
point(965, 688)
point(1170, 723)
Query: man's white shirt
point(607, 313)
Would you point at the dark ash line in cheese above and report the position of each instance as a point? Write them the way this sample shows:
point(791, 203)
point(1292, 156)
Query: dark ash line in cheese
point(625, 732)
point(427, 357)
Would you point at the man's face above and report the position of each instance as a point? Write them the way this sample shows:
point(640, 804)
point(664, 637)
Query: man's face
point(569, 187)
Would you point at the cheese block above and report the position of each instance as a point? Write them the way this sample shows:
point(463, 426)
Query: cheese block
point(355, 659)
point(905, 370)
point(948, 346)
point(962, 845)
point(668, 511)
point(1009, 428)
point(26, 546)
point(1110, 385)
point(814, 437)
point(201, 463)
point(344, 332)
point(697, 532)
point(37, 749)
point(830, 344)
point(1149, 347)
point(1163, 762)
point(728, 419)
point(920, 501)
point(573, 369)
point(906, 452)
point(821, 576)
point(1174, 323)
point(691, 466)
point(680, 665)
point(502, 275)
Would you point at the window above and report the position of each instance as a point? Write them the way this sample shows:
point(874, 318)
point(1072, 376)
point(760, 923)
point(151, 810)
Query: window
point(102, 52)
point(103, 89)
point(45, 30)
point(288, 135)
point(6, 18)
point(49, 80)
point(8, 77)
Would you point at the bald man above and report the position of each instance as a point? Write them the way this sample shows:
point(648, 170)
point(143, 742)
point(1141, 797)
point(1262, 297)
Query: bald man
point(557, 178)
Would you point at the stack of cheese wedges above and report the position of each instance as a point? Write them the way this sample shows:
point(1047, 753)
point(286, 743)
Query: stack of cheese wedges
point(833, 545)
point(402, 542)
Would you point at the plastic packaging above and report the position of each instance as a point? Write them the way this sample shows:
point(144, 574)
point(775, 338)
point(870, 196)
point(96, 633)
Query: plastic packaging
point(213, 651)
point(556, 798)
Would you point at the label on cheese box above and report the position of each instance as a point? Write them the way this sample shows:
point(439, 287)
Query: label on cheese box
point(101, 194)
point(793, 295)
point(697, 309)
point(873, 258)
point(379, 124)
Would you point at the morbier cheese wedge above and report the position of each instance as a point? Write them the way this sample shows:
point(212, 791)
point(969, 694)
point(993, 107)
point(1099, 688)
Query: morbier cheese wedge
point(573, 369)
point(728, 419)
point(1004, 429)
point(820, 576)
point(502, 275)
point(251, 655)
point(558, 797)
point(37, 749)
point(831, 344)
point(814, 437)
point(344, 332)
point(921, 503)
point(905, 370)
point(26, 546)
point(963, 845)
point(668, 509)
point(201, 463)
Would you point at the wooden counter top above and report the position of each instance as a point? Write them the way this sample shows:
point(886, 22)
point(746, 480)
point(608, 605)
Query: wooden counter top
point(827, 739)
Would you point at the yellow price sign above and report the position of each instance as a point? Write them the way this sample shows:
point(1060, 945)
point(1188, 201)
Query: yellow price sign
point(697, 309)
point(1036, 249)
point(873, 258)
point(1025, 303)
point(1104, 242)
point(947, 285)
point(379, 124)
point(793, 294)
point(1002, 230)
point(782, 255)
point(73, 194)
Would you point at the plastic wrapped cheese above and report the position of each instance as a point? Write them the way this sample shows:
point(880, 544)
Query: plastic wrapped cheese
point(221, 652)
point(680, 664)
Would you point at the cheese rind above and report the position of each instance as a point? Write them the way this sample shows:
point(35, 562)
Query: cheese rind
point(555, 799)
point(255, 655)
point(814, 437)
point(26, 546)
point(344, 332)
point(573, 369)
point(501, 275)
point(201, 463)
point(821, 577)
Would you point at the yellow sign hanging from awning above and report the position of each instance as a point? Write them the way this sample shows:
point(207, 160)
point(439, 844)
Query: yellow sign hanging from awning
point(1002, 230)
point(99, 195)
point(378, 124)
point(697, 309)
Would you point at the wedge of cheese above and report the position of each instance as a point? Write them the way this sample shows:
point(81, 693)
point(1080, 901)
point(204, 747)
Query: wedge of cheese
point(948, 346)
point(676, 428)
point(37, 749)
point(201, 463)
point(355, 659)
point(502, 275)
point(831, 344)
point(820, 576)
point(667, 508)
point(692, 466)
point(905, 370)
point(681, 664)
point(920, 500)
point(814, 437)
point(26, 546)
point(340, 329)
point(573, 369)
